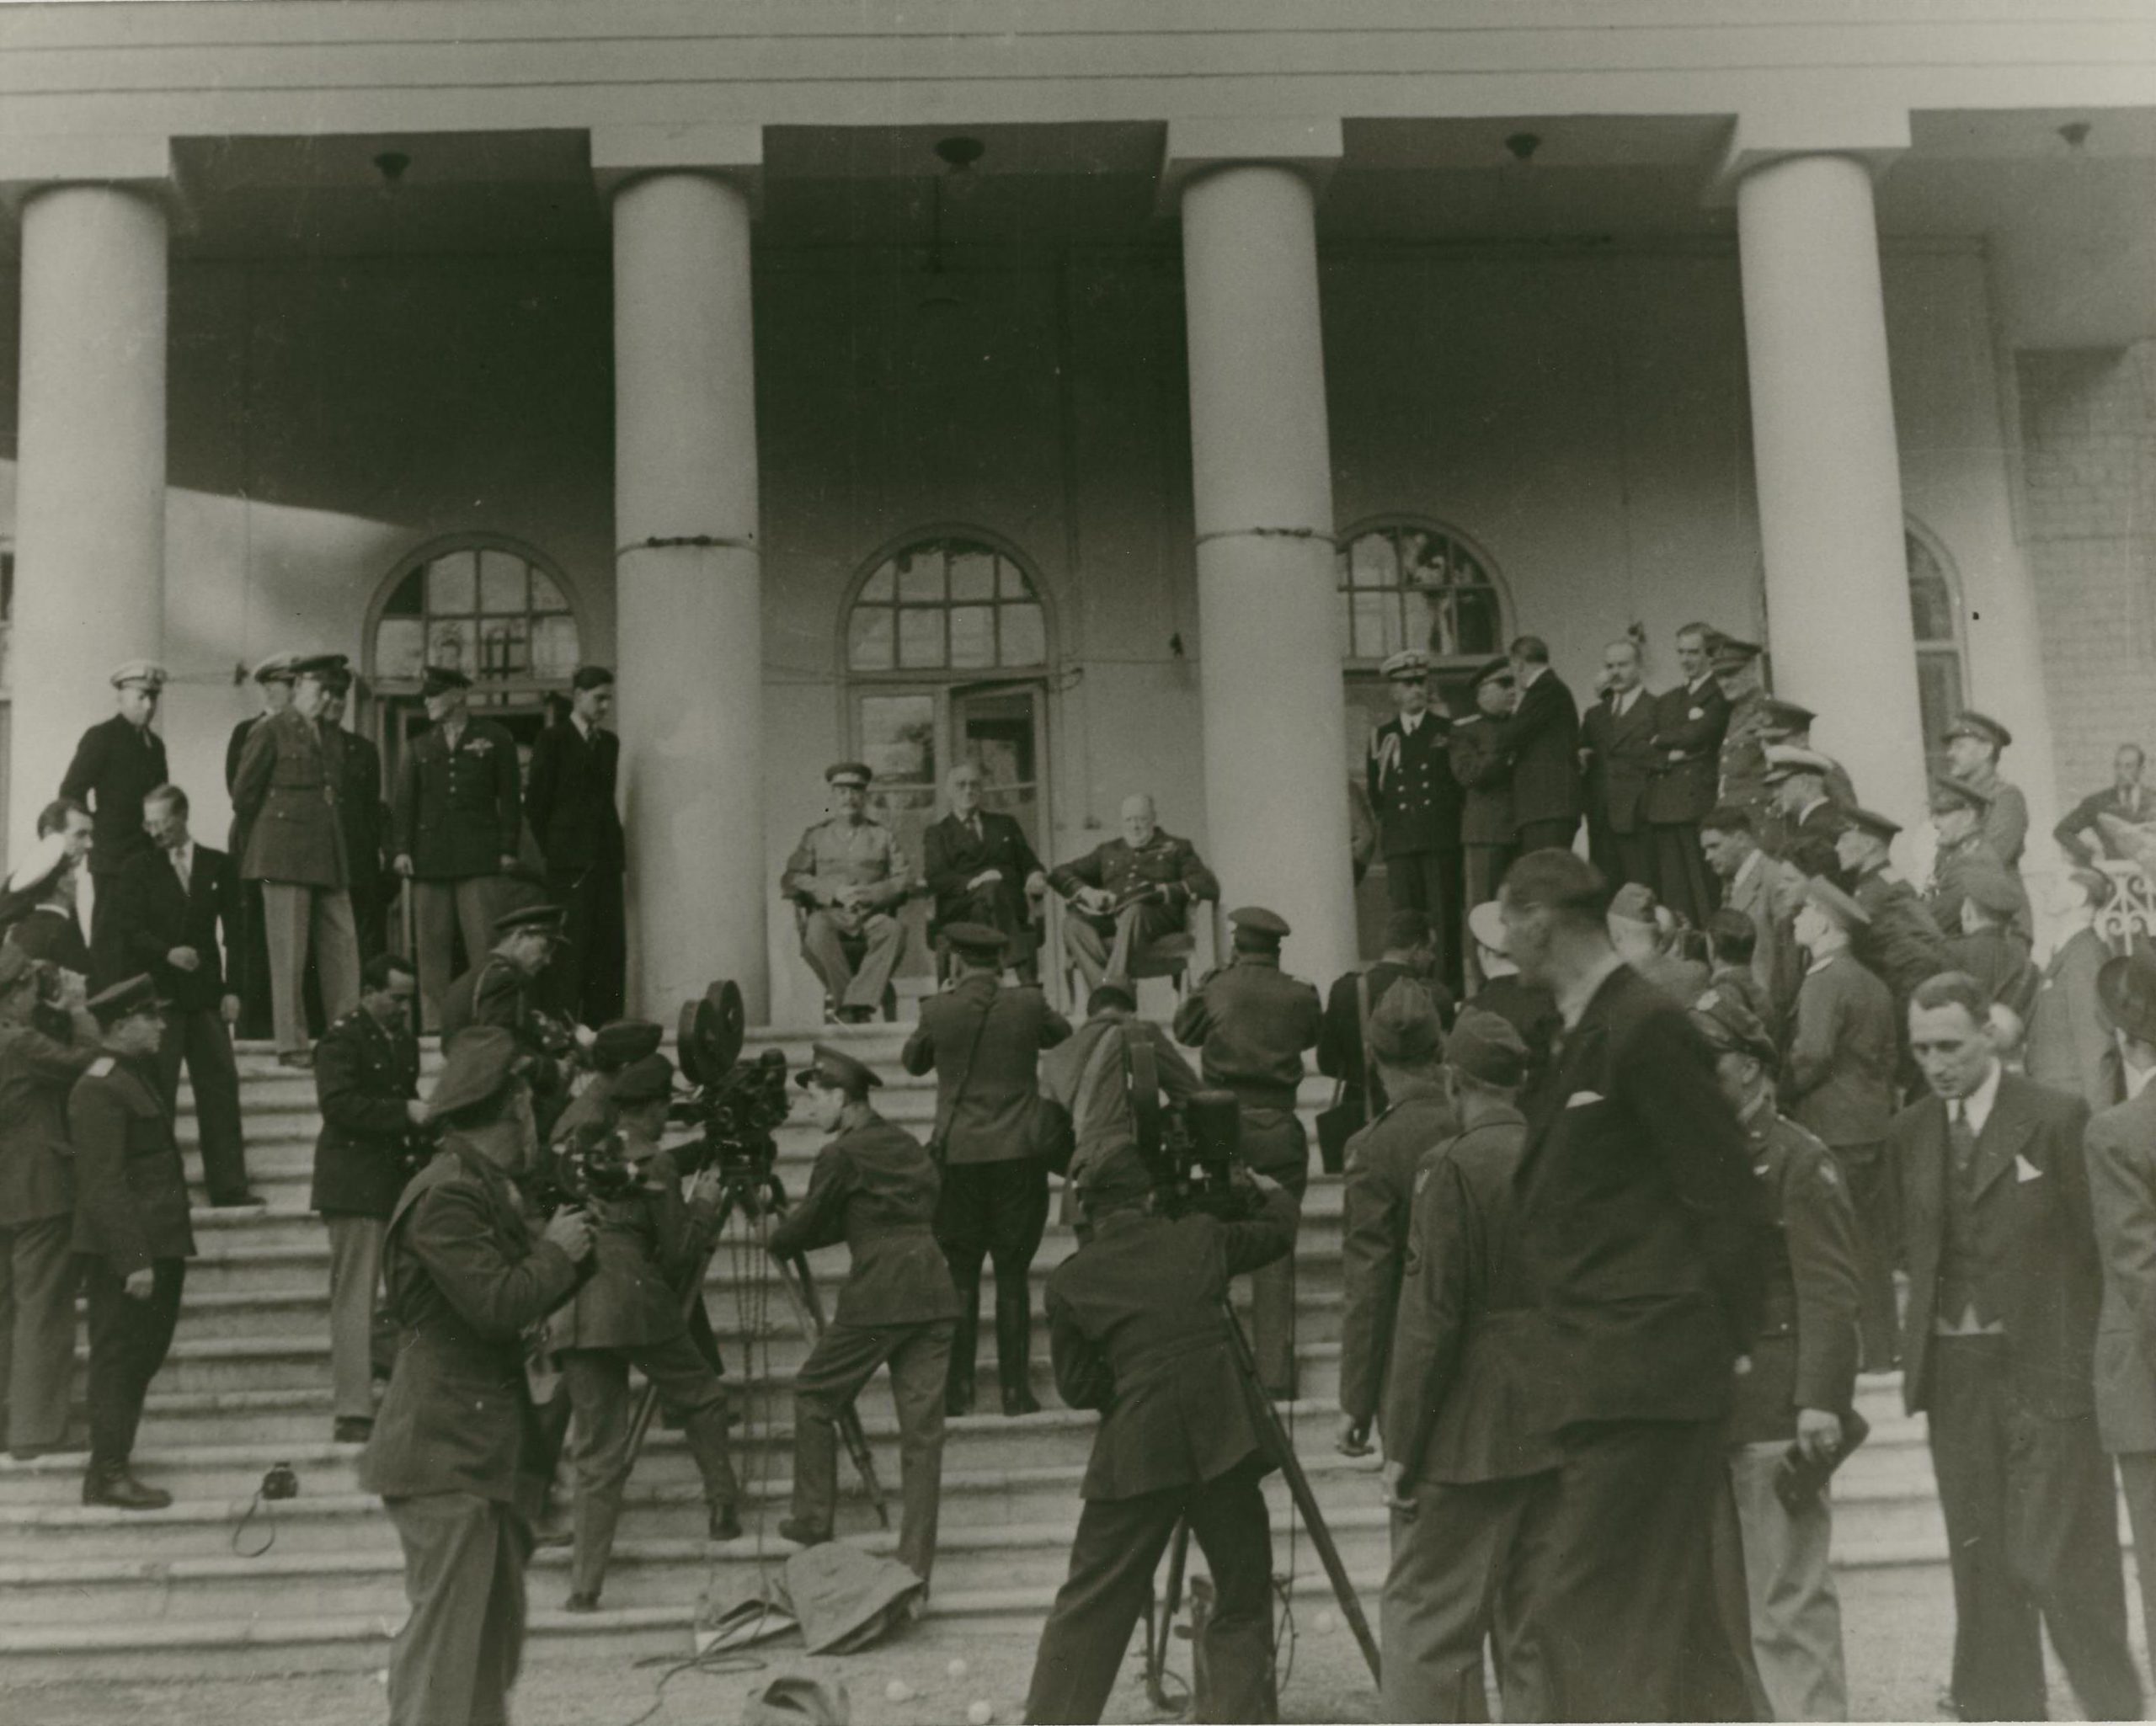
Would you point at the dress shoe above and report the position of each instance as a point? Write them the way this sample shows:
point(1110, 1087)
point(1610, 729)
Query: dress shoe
point(237, 1201)
point(120, 1490)
point(352, 1429)
point(1020, 1402)
point(725, 1522)
point(801, 1534)
point(581, 1603)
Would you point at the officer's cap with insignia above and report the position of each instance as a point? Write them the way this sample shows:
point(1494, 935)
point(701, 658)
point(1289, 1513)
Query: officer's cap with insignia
point(976, 941)
point(1408, 665)
point(849, 773)
point(542, 919)
point(1499, 667)
point(1870, 821)
point(475, 1069)
point(1786, 760)
point(1730, 654)
point(645, 1080)
point(1837, 904)
point(440, 679)
point(1732, 1028)
point(1487, 1046)
point(833, 1069)
point(1258, 926)
point(2126, 987)
point(1970, 723)
point(124, 1000)
point(621, 1041)
point(275, 668)
point(1948, 794)
point(1786, 716)
point(1404, 1028)
point(145, 674)
point(322, 667)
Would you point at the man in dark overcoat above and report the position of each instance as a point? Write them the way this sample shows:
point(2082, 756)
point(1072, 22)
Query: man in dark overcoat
point(1416, 801)
point(980, 868)
point(1410, 952)
point(2071, 1047)
point(1688, 723)
point(1485, 772)
point(1542, 737)
point(569, 799)
point(1617, 744)
point(119, 761)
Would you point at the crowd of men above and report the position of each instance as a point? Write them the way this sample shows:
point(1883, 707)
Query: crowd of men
point(1647, 1159)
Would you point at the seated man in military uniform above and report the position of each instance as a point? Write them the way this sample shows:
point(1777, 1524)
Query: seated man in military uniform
point(850, 877)
point(1129, 894)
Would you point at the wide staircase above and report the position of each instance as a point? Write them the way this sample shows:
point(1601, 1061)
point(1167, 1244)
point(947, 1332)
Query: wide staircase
point(315, 1581)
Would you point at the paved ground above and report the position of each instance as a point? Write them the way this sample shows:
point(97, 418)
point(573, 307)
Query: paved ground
point(1898, 1626)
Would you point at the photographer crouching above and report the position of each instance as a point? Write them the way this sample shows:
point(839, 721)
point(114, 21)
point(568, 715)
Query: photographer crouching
point(455, 1442)
point(1137, 1330)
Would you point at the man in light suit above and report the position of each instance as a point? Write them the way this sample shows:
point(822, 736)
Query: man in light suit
point(2121, 1143)
point(1617, 747)
point(1766, 889)
point(2070, 1046)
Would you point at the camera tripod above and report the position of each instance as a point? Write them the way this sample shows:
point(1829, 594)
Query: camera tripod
point(1282, 1450)
point(758, 1196)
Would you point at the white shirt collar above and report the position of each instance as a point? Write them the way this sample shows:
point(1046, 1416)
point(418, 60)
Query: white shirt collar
point(2136, 1079)
point(1975, 1107)
point(1620, 700)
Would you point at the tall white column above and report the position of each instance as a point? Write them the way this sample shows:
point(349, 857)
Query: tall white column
point(1275, 747)
point(90, 479)
point(1829, 471)
point(688, 589)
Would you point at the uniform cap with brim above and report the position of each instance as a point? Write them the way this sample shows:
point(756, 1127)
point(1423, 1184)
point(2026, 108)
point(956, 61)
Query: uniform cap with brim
point(1255, 919)
point(1499, 667)
point(1948, 794)
point(1836, 903)
point(137, 994)
point(2127, 988)
point(1872, 822)
point(1487, 1046)
point(1732, 1028)
point(1970, 723)
point(148, 673)
point(277, 668)
point(475, 1070)
point(1787, 715)
point(975, 940)
point(542, 920)
point(645, 1080)
point(621, 1041)
point(852, 773)
point(1728, 653)
point(440, 679)
point(40, 864)
point(1404, 1028)
point(1785, 760)
point(1410, 663)
point(1487, 923)
point(322, 666)
point(837, 1070)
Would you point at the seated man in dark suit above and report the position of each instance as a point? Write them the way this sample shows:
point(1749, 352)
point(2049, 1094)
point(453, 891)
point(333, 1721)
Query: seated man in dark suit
point(979, 869)
point(1129, 894)
point(172, 900)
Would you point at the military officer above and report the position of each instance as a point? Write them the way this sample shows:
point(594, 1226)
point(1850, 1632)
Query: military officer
point(1803, 808)
point(131, 1231)
point(1793, 1410)
point(1406, 1042)
point(118, 762)
point(1741, 769)
point(456, 1456)
point(273, 681)
point(875, 1188)
point(1418, 802)
point(454, 828)
point(613, 1048)
point(1484, 771)
point(1898, 943)
point(1251, 1023)
point(1129, 893)
point(1974, 742)
point(1958, 807)
point(980, 868)
point(1987, 947)
point(570, 799)
point(1689, 720)
point(850, 877)
point(503, 989)
point(628, 1313)
point(357, 765)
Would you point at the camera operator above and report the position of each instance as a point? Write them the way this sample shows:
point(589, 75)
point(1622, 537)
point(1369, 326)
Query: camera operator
point(1090, 1076)
point(875, 1188)
point(629, 1315)
point(48, 1040)
point(1251, 1023)
point(454, 1447)
point(503, 989)
point(366, 1081)
point(1137, 1330)
point(617, 1045)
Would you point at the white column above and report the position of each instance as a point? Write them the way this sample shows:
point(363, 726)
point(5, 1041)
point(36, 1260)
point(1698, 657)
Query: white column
point(1828, 471)
point(1275, 749)
point(90, 481)
point(689, 608)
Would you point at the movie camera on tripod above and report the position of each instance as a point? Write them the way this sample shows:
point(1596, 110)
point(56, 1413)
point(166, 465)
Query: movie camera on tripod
point(737, 1107)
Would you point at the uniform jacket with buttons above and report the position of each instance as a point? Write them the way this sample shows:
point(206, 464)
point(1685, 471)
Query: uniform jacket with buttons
point(840, 853)
point(1805, 1353)
point(1120, 869)
point(569, 799)
point(641, 1247)
point(1250, 1022)
point(1485, 772)
point(1621, 758)
point(983, 1042)
point(1379, 1192)
point(1742, 766)
point(1136, 1331)
point(2005, 825)
point(116, 766)
point(1542, 737)
point(1838, 1083)
point(1412, 787)
point(1689, 720)
point(158, 914)
point(38, 1072)
point(2036, 1241)
point(2070, 1046)
point(465, 1278)
point(1460, 1401)
point(496, 992)
point(458, 811)
point(364, 1075)
point(286, 795)
point(130, 1187)
point(2120, 1146)
point(875, 1188)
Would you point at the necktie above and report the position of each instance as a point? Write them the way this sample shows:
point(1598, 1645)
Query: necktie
point(179, 868)
point(973, 826)
point(1961, 1136)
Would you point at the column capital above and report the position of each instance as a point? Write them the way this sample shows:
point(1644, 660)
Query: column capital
point(1876, 134)
point(136, 162)
point(1312, 146)
point(734, 153)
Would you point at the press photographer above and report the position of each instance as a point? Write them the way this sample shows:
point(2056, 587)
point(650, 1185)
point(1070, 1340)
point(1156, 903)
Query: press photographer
point(456, 1443)
point(503, 989)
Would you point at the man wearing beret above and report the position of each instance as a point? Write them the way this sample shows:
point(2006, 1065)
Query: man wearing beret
point(1542, 737)
point(1251, 1023)
point(1964, 854)
point(1974, 742)
point(569, 798)
point(366, 1083)
point(361, 814)
point(980, 869)
point(1689, 720)
point(984, 1044)
point(628, 1314)
point(1485, 772)
point(456, 1456)
point(118, 761)
point(875, 1188)
point(454, 828)
point(131, 1231)
point(1793, 1421)
point(272, 680)
point(1416, 801)
point(286, 792)
point(850, 877)
point(1465, 1450)
point(1129, 893)
point(1405, 1042)
point(2070, 1046)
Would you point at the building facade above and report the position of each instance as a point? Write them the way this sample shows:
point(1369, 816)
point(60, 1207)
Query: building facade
point(1102, 394)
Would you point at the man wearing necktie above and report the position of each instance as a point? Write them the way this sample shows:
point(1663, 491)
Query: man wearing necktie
point(2000, 1332)
point(2081, 837)
point(980, 869)
point(569, 798)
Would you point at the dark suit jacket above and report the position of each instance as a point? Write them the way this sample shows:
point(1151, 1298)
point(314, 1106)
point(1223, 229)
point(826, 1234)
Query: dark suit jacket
point(1903, 946)
point(1688, 724)
point(457, 812)
point(1838, 1080)
point(155, 917)
point(2070, 1046)
point(1136, 1331)
point(2032, 1218)
point(2081, 837)
point(1412, 787)
point(465, 1276)
point(874, 1188)
point(130, 1187)
point(952, 857)
point(1543, 738)
point(1643, 1225)
point(1621, 758)
point(987, 1091)
point(363, 1078)
point(115, 765)
point(1380, 1193)
point(360, 813)
point(286, 795)
point(37, 1162)
point(2120, 1146)
point(1340, 1032)
point(569, 799)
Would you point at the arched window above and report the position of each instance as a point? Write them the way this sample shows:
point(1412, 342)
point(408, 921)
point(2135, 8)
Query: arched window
point(1405, 582)
point(946, 603)
point(1935, 615)
point(492, 608)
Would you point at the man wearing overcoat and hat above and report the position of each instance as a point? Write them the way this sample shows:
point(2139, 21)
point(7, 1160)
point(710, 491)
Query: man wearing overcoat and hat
point(850, 877)
point(119, 761)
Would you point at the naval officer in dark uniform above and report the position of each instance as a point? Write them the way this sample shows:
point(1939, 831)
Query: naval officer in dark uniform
point(117, 763)
point(875, 1189)
point(1418, 803)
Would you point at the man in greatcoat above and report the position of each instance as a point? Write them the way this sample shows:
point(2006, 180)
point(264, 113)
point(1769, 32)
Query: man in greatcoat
point(1688, 723)
point(1137, 1326)
point(1617, 746)
point(1251, 1023)
point(456, 1456)
point(367, 1085)
point(983, 1043)
point(1485, 772)
point(874, 1187)
point(131, 1231)
point(2005, 1282)
point(117, 763)
point(1542, 737)
point(1129, 893)
point(2070, 1046)
point(286, 793)
point(1418, 804)
point(980, 868)
point(569, 799)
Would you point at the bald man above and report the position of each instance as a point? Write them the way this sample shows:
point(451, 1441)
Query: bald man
point(1130, 893)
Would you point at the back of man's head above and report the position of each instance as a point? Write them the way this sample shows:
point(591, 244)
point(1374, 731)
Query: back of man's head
point(1733, 936)
point(1531, 650)
point(54, 817)
point(1561, 882)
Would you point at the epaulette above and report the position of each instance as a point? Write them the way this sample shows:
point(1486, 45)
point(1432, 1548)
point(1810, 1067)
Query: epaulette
point(102, 1068)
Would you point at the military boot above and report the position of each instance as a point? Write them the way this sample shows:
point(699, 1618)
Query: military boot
point(593, 1517)
point(705, 1433)
point(965, 1341)
point(112, 1485)
point(1014, 1350)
